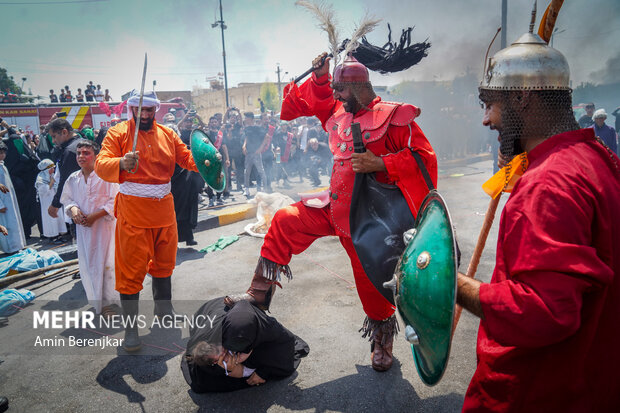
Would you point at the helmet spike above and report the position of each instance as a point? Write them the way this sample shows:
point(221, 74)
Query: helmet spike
point(533, 21)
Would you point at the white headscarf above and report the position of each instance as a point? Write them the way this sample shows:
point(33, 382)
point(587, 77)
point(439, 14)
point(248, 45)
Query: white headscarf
point(45, 164)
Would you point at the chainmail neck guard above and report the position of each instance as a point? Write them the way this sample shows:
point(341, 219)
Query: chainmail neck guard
point(546, 113)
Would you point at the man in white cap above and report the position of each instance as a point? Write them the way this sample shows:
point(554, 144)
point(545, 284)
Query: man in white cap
point(603, 131)
point(146, 230)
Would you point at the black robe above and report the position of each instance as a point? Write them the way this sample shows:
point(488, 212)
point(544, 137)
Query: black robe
point(185, 187)
point(22, 166)
point(276, 351)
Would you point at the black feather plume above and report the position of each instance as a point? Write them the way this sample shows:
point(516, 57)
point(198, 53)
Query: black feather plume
point(393, 56)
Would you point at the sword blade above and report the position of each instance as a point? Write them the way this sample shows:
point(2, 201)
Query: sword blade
point(135, 136)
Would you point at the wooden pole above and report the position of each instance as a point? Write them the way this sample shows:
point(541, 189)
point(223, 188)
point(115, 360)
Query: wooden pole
point(29, 274)
point(56, 275)
point(489, 217)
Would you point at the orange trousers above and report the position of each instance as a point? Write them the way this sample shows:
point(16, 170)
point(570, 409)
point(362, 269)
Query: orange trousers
point(142, 250)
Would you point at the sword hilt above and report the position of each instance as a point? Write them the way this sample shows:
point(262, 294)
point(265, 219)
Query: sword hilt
point(358, 144)
point(135, 169)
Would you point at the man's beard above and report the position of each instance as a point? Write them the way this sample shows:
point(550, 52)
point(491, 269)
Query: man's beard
point(146, 126)
point(351, 105)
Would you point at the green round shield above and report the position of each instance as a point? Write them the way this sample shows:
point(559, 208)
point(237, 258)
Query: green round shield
point(425, 287)
point(203, 150)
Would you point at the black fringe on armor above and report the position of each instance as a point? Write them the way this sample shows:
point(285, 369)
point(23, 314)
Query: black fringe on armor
point(389, 327)
point(272, 271)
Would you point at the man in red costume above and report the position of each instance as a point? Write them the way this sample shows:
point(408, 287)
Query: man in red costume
point(146, 228)
point(388, 131)
point(549, 337)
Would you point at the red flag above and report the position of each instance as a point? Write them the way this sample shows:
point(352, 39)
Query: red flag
point(118, 109)
point(272, 129)
point(218, 141)
point(106, 108)
point(287, 149)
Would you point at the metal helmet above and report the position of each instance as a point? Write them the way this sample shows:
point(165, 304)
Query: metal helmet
point(527, 64)
point(351, 71)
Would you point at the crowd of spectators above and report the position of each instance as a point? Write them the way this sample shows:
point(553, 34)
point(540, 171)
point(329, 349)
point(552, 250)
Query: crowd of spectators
point(91, 93)
point(24, 153)
point(286, 150)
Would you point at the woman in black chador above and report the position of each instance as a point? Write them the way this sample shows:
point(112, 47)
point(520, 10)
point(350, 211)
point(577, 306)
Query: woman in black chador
point(231, 349)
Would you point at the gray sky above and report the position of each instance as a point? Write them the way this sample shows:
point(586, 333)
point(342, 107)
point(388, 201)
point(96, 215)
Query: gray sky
point(65, 42)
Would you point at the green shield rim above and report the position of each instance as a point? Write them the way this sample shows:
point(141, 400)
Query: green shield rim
point(430, 364)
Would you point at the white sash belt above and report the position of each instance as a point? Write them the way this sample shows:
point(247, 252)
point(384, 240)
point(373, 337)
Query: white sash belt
point(145, 190)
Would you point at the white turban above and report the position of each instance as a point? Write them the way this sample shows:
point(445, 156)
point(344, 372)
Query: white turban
point(149, 100)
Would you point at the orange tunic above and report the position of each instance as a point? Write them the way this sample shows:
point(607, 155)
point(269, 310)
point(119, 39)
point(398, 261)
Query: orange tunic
point(159, 149)
point(146, 232)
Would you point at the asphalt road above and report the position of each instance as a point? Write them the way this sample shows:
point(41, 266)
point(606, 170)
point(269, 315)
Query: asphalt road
point(320, 305)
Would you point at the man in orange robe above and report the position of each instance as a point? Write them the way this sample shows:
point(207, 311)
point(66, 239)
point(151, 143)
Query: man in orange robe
point(146, 229)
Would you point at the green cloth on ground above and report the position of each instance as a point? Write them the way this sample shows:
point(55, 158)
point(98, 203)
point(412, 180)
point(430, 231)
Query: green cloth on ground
point(221, 243)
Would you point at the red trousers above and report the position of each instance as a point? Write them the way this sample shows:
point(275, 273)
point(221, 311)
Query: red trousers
point(295, 227)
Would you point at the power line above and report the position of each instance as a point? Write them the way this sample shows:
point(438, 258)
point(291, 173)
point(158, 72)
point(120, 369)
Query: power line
point(99, 66)
point(590, 35)
point(20, 3)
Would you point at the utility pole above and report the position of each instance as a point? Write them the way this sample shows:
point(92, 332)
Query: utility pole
point(279, 82)
point(220, 23)
point(503, 34)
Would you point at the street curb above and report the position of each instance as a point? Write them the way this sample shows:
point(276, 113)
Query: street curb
point(455, 163)
point(227, 215)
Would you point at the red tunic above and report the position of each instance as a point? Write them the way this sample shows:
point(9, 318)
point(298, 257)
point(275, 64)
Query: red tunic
point(550, 335)
point(388, 130)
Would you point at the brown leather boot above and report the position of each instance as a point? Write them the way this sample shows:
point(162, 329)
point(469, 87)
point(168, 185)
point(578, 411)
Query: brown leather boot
point(259, 294)
point(263, 286)
point(381, 335)
point(381, 355)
